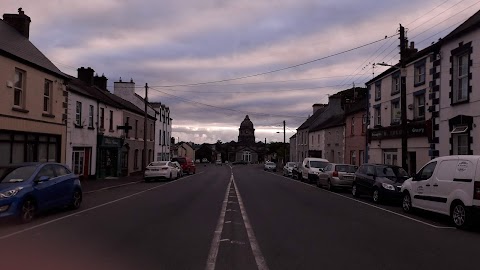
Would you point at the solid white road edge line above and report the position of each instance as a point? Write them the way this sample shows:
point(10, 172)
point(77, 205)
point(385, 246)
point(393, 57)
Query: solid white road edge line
point(88, 209)
point(212, 255)
point(374, 206)
point(257, 253)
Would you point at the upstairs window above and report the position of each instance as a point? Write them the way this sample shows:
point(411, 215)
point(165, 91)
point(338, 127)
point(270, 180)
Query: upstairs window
point(352, 127)
point(419, 73)
point(102, 118)
point(419, 106)
point(377, 116)
point(111, 121)
point(378, 90)
point(90, 117)
point(460, 78)
point(78, 114)
point(18, 96)
point(396, 83)
point(47, 94)
point(396, 112)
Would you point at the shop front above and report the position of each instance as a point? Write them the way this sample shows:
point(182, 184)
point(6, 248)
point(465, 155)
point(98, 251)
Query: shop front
point(18, 147)
point(109, 156)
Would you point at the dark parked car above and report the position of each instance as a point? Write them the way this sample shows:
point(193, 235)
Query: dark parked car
point(380, 181)
point(30, 188)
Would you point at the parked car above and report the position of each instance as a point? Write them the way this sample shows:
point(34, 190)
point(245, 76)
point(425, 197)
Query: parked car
point(311, 168)
point(160, 170)
point(179, 168)
point(218, 162)
point(187, 164)
point(336, 176)
point(197, 161)
point(288, 168)
point(270, 166)
point(240, 162)
point(28, 189)
point(204, 160)
point(447, 185)
point(380, 181)
point(297, 171)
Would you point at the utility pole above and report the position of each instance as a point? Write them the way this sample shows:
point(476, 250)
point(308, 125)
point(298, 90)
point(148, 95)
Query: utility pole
point(144, 161)
point(403, 100)
point(284, 146)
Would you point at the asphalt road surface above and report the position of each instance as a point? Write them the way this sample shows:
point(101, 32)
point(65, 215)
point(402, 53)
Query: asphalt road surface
point(239, 218)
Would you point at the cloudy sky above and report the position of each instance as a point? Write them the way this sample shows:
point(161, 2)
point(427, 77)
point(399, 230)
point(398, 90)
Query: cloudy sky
point(169, 44)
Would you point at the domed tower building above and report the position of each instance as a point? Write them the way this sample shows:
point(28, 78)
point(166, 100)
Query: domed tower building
point(246, 132)
point(246, 149)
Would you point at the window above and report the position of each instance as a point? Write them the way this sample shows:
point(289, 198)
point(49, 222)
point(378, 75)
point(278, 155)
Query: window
point(127, 124)
point(111, 121)
point(61, 170)
point(159, 156)
point(247, 156)
point(378, 116)
point(151, 132)
point(90, 117)
point(460, 143)
point(419, 74)
point(312, 139)
point(460, 78)
point(390, 158)
point(361, 155)
point(353, 126)
point(353, 157)
point(47, 94)
point(135, 159)
point(160, 138)
point(78, 114)
point(124, 160)
point(78, 158)
point(136, 129)
point(420, 106)
point(396, 83)
point(396, 112)
point(318, 138)
point(149, 156)
point(168, 138)
point(378, 90)
point(364, 123)
point(164, 138)
point(18, 96)
point(427, 171)
point(102, 118)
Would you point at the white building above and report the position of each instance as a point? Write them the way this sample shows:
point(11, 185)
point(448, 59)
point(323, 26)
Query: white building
point(456, 96)
point(163, 132)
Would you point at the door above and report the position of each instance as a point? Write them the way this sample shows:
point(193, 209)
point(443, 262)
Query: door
point(45, 192)
point(78, 158)
point(457, 174)
point(64, 183)
point(422, 187)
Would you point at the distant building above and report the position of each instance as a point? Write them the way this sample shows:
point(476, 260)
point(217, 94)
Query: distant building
point(246, 149)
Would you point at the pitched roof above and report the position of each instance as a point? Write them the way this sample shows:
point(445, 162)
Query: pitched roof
point(470, 24)
point(17, 47)
point(312, 118)
point(358, 106)
point(334, 121)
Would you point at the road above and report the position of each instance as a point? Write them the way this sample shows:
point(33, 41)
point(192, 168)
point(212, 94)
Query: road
point(239, 218)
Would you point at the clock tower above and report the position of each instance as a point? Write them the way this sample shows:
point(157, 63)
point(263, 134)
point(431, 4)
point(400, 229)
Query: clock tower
point(246, 132)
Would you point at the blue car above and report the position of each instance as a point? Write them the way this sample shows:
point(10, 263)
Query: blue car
point(30, 188)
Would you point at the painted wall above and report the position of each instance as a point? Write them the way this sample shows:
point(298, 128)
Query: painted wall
point(334, 144)
point(355, 138)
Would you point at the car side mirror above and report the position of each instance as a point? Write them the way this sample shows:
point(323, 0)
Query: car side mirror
point(306, 166)
point(416, 177)
point(42, 179)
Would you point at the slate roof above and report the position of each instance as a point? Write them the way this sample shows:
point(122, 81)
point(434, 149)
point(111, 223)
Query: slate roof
point(358, 106)
point(19, 48)
point(334, 121)
point(312, 118)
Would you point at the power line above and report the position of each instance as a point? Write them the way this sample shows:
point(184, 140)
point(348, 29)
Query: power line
point(277, 70)
point(437, 15)
point(227, 109)
point(427, 12)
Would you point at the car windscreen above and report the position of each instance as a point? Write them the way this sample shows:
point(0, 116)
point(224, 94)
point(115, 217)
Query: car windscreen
point(345, 168)
point(318, 164)
point(156, 164)
point(16, 174)
point(270, 163)
point(393, 173)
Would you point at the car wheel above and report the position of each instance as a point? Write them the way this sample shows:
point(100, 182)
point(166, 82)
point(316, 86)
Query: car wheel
point(171, 177)
point(376, 195)
point(76, 199)
point(355, 192)
point(329, 185)
point(407, 203)
point(459, 215)
point(28, 210)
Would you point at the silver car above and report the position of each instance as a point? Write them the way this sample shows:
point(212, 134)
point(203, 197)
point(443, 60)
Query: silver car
point(337, 176)
point(270, 166)
point(288, 168)
point(179, 168)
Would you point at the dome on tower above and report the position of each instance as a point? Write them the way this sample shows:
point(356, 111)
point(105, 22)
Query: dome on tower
point(246, 123)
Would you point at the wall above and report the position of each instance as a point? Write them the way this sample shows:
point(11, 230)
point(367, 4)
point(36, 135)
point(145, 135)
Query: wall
point(137, 142)
point(356, 140)
point(334, 141)
point(317, 141)
point(293, 149)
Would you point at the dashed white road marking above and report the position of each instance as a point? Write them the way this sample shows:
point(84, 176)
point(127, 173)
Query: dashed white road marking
point(374, 206)
point(212, 255)
point(257, 253)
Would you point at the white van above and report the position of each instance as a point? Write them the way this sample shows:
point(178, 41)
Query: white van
point(311, 168)
point(448, 185)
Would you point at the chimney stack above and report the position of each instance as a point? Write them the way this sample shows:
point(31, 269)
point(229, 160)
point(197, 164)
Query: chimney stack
point(318, 106)
point(20, 22)
point(100, 82)
point(86, 75)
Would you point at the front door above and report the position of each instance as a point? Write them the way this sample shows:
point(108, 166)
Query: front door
point(78, 159)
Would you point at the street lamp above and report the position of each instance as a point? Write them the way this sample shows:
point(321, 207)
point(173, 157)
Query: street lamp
point(403, 108)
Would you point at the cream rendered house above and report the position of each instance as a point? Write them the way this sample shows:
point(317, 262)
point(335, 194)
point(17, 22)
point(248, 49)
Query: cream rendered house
point(33, 108)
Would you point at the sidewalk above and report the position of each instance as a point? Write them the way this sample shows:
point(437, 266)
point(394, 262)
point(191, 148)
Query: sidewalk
point(89, 185)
